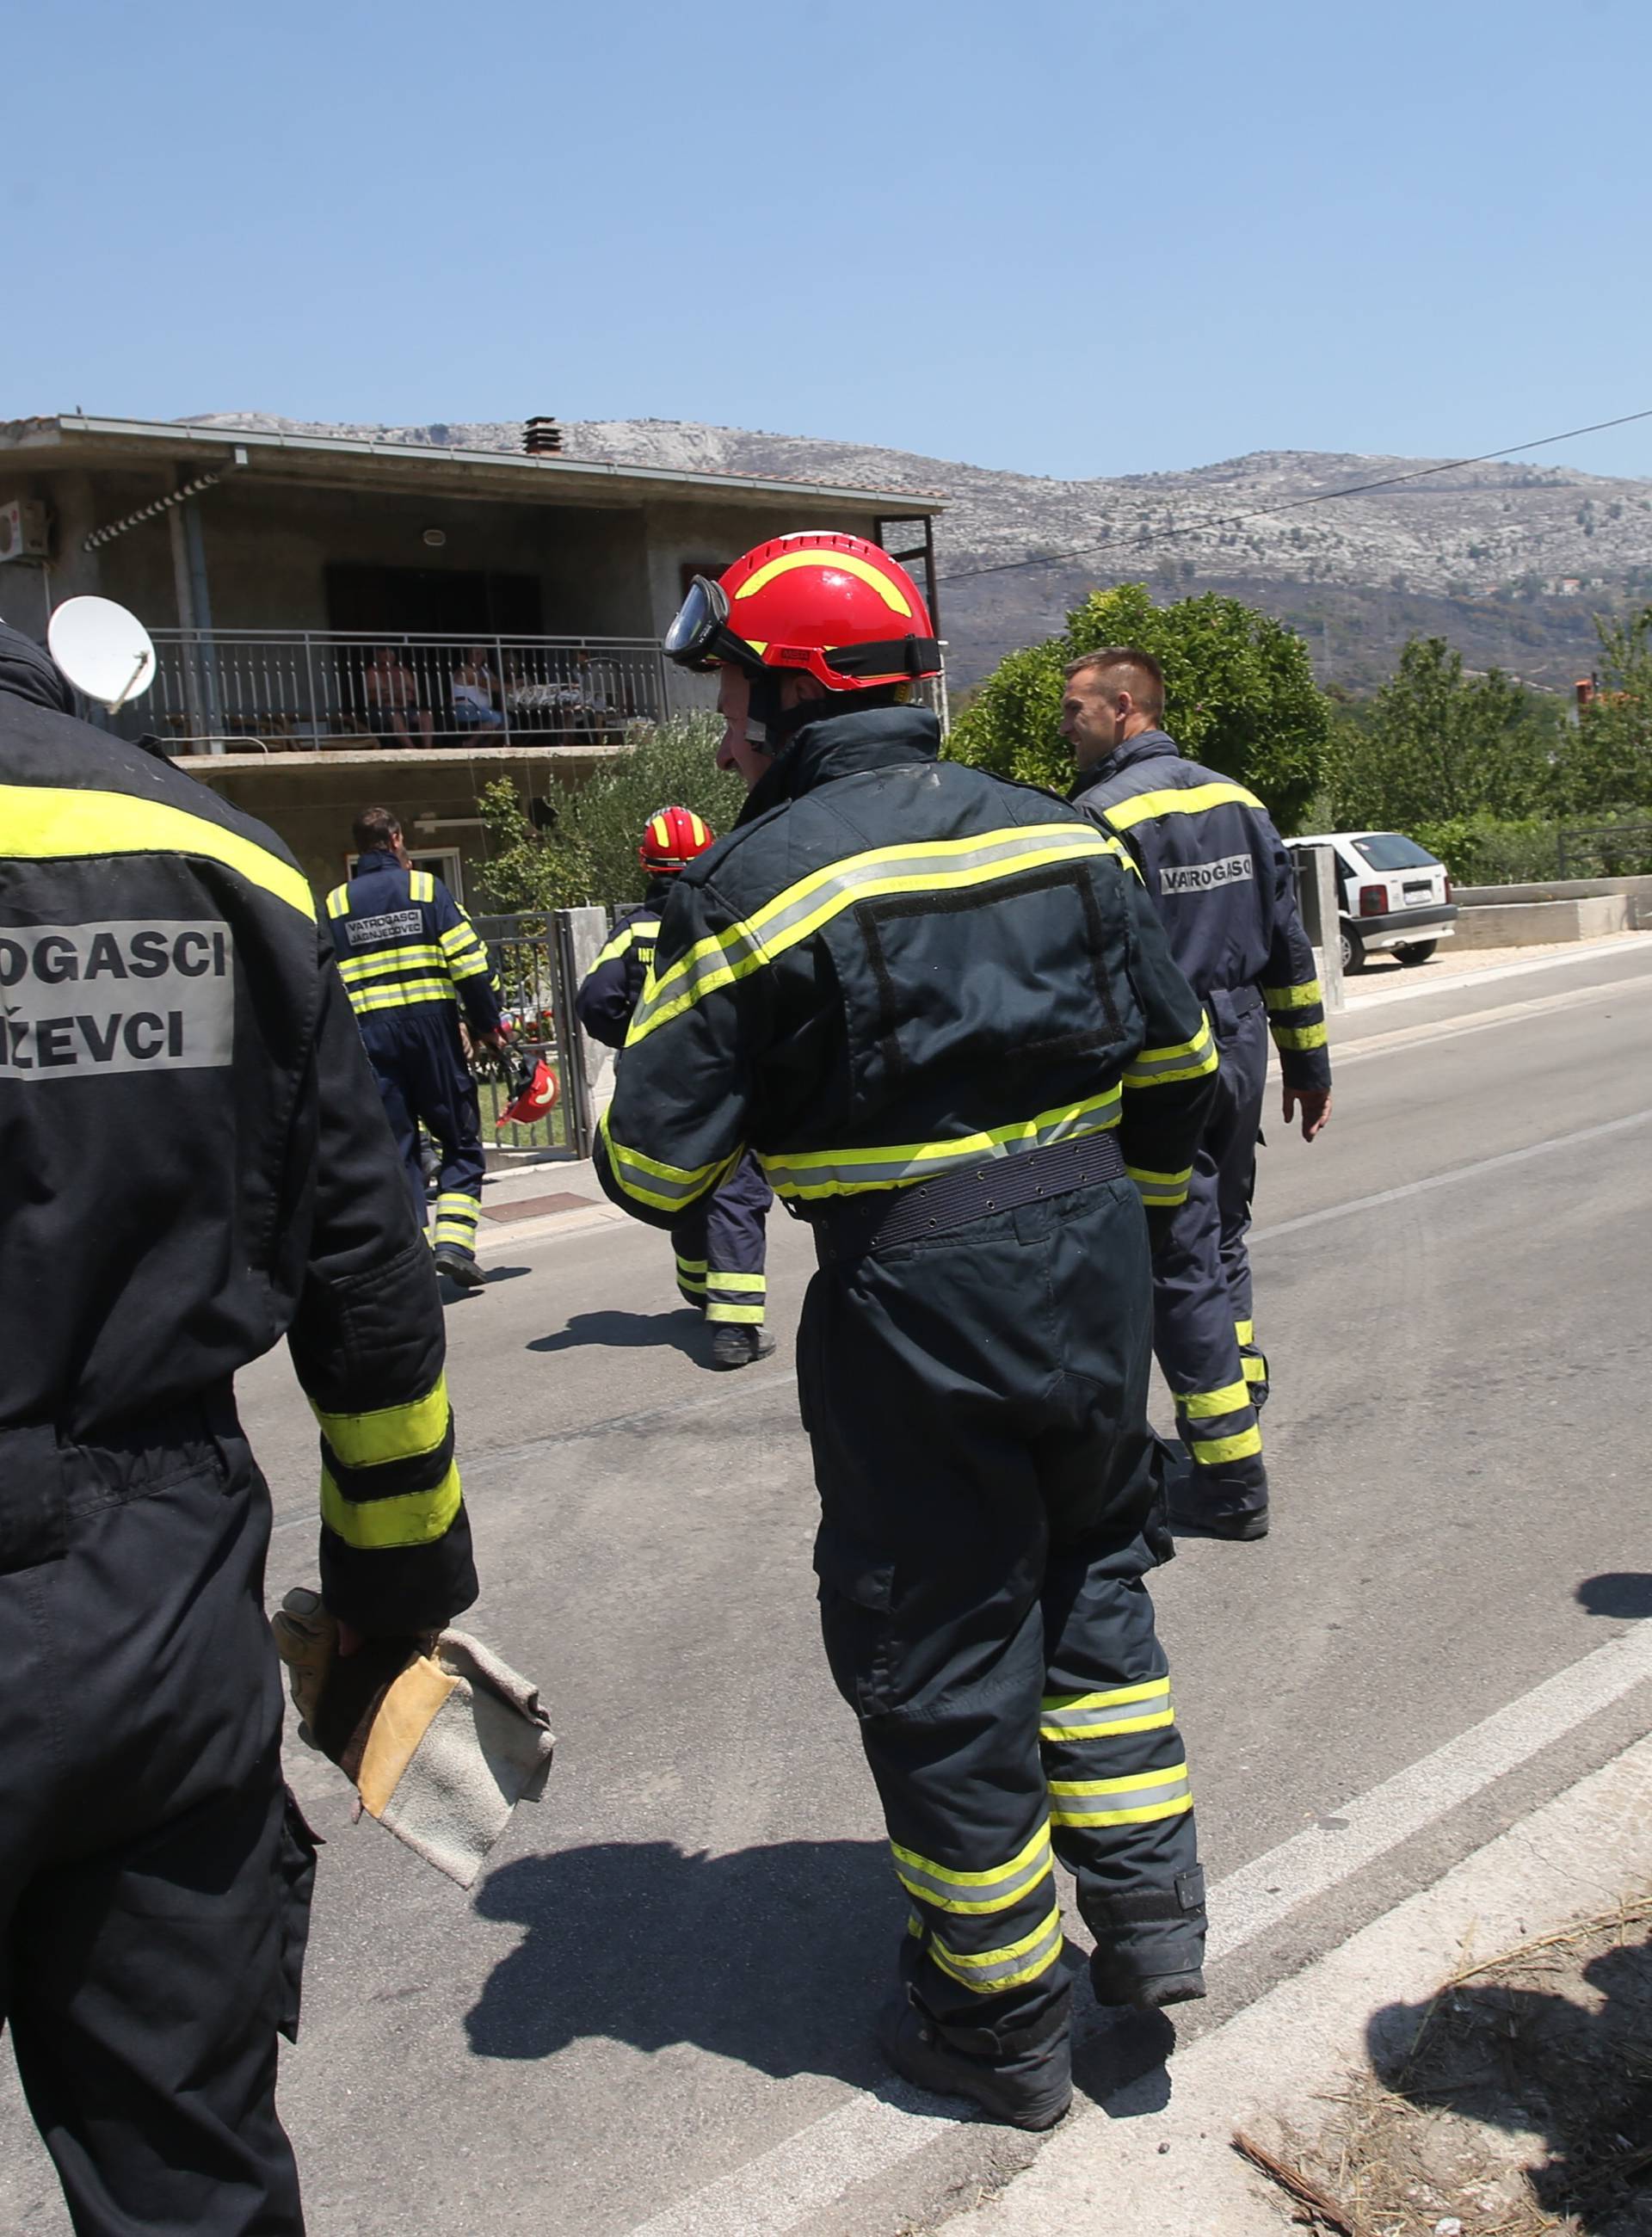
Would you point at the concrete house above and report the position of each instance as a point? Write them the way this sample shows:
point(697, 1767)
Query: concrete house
point(339, 620)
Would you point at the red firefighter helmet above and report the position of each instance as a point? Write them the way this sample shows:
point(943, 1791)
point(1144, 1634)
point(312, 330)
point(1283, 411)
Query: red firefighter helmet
point(834, 605)
point(674, 837)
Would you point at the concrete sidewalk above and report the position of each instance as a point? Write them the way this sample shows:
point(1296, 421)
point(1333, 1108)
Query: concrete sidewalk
point(1126, 2168)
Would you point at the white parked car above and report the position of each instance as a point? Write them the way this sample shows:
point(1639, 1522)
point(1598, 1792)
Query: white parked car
point(1390, 893)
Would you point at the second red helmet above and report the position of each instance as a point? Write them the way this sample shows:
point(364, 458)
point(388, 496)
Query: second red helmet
point(674, 837)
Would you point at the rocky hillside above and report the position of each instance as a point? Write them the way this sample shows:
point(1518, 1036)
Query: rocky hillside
point(1509, 560)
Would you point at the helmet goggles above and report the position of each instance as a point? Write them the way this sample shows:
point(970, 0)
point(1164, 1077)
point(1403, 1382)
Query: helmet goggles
point(700, 637)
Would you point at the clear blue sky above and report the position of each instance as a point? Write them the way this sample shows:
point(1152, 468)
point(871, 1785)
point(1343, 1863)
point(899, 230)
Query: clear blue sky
point(1072, 236)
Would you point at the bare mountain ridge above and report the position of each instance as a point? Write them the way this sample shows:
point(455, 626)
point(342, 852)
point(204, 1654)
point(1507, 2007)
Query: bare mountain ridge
point(1520, 553)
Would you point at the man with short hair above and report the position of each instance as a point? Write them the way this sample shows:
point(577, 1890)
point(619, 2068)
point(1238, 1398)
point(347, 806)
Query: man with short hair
point(1225, 890)
point(410, 960)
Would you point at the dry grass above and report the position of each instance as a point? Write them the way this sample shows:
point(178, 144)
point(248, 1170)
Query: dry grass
point(1515, 2102)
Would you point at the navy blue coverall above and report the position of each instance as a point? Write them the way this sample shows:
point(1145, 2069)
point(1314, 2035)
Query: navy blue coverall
point(925, 995)
point(191, 1166)
point(1225, 890)
point(409, 956)
point(722, 1241)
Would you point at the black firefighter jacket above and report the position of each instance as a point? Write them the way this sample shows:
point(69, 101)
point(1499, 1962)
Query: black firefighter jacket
point(193, 1159)
point(896, 968)
point(613, 987)
point(1224, 884)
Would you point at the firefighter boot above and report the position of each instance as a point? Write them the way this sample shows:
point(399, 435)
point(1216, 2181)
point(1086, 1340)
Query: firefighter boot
point(740, 1343)
point(1204, 1504)
point(458, 1266)
point(1023, 2078)
point(1149, 1946)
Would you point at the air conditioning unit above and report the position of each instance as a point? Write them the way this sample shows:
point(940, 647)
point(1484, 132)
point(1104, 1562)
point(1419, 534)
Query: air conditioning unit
point(24, 528)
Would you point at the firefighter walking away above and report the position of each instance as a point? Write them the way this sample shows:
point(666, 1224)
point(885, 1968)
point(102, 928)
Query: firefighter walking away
point(1227, 895)
point(941, 1011)
point(411, 961)
point(721, 1239)
point(192, 1162)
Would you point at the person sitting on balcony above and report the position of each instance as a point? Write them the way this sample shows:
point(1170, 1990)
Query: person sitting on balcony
point(392, 699)
point(473, 708)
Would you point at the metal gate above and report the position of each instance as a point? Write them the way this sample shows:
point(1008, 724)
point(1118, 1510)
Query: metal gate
point(538, 959)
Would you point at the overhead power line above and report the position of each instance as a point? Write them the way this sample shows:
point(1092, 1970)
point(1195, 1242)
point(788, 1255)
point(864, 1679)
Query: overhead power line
point(1295, 504)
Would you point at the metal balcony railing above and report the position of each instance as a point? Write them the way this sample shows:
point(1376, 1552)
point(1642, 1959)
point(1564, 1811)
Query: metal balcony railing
point(284, 691)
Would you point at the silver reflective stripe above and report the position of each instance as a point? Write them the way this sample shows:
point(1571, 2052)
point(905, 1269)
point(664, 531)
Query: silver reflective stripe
point(810, 1170)
point(1086, 1723)
point(996, 1894)
point(1022, 1964)
point(1202, 1055)
point(648, 1181)
point(1113, 1800)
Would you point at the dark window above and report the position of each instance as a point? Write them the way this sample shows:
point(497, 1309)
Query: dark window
point(1391, 850)
point(432, 602)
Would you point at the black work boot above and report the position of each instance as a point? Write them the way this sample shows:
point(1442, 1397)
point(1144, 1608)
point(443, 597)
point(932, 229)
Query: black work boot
point(1205, 1504)
point(1028, 2084)
point(1150, 1945)
point(739, 1343)
point(458, 1266)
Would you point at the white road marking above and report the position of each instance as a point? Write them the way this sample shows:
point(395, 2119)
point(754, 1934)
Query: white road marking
point(869, 2135)
point(1448, 1179)
point(1482, 1021)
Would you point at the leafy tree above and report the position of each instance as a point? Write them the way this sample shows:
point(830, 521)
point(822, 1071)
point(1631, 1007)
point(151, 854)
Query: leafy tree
point(588, 853)
point(1240, 695)
point(1435, 746)
point(1610, 761)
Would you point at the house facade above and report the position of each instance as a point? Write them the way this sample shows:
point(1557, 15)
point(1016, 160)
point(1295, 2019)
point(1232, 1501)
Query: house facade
point(338, 621)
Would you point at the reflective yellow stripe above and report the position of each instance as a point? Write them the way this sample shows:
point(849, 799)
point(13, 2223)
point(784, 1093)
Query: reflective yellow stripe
point(400, 996)
point(668, 1188)
point(1299, 1037)
point(1137, 1799)
point(736, 1281)
point(1246, 1332)
point(421, 886)
point(702, 835)
point(337, 901)
point(1177, 800)
point(1214, 1452)
point(1206, 1405)
point(1293, 998)
point(899, 1165)
point(988, 1971)
point(618, 946)
point(391, 1433)
point(921, 866)
point(996, 1888)
point(354, 967)
point(43, 823)
point(717, 1311)
point(1156, 1068)
point(1073, 1717)
point(1256, 1370)
point(1163, 1190)
point(839, 563)
point(412, 1518)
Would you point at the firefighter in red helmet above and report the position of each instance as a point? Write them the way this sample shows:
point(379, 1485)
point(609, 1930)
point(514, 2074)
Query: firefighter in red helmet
point(720, 1240)
point(941, 1009)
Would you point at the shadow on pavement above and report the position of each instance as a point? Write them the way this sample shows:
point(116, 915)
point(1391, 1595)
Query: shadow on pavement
point(1532, 2062)
point(1617, 1593)
point(777, 1957)
point(627, 1332)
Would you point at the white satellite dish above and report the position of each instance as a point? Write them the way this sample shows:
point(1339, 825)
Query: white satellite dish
point(106, 653)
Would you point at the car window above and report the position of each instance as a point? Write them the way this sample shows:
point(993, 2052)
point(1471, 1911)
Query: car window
point(1392, 850)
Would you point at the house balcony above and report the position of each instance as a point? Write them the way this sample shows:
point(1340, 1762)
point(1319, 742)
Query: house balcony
point(259, 692)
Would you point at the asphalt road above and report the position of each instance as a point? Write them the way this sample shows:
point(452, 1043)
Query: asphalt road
point(669, 1971)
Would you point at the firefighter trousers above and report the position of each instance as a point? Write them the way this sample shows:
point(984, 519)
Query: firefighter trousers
point(721, 1247)
point(154, 1877)
point(1203, 1330)
point(419, 1062)
point(990, 1494)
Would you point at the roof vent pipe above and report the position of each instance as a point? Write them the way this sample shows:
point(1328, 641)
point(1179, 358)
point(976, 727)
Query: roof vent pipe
point(542, 439)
